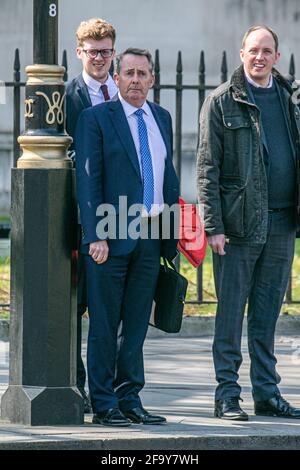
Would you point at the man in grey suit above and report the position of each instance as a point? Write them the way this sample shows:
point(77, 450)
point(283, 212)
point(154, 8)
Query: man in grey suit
point(248, 184)
point(94, 85)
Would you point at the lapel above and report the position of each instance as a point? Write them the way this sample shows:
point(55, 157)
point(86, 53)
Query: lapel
point(160, 122)
point(122, 128)
point(82, 92)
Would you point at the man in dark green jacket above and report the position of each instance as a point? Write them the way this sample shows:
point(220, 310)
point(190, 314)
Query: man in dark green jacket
point(248, 184)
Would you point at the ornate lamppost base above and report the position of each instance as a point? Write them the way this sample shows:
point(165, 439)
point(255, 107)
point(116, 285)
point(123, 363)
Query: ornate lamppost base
point(44, 151)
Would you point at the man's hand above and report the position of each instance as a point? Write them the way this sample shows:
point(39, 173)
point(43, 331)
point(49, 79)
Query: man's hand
point(217, 243)
point(99, 251)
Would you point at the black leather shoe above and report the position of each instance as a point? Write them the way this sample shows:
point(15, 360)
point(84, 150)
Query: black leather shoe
point(87, 407)
point(111, 417)
point(140, 415)
point(230, 409)
point(276, 406)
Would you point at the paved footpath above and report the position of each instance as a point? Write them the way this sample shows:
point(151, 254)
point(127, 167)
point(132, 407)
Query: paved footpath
point(180, 385)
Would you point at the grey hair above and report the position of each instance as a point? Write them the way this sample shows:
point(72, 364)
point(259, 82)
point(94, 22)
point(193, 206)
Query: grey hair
point(134, 51)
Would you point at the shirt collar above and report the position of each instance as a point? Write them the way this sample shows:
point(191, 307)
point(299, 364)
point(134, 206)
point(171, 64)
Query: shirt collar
point(92, 83)
point(129, 109)
point(252, 82)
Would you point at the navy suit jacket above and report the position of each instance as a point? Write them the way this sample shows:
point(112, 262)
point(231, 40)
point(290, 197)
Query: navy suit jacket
point(77, 99)
point(107, 167)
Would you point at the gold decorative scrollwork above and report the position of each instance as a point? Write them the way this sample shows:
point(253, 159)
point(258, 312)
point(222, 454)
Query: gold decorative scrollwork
point(57, 104)
point(28, 108)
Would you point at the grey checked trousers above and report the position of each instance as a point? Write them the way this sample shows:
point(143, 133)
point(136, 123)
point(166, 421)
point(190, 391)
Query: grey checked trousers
point(257, 273)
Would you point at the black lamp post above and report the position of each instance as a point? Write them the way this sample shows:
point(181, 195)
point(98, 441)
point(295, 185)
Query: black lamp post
point(42, 381)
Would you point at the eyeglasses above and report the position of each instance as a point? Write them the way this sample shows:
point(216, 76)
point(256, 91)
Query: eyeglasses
point(93, 53)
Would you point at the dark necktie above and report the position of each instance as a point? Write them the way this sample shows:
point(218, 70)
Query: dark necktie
point(104, 90)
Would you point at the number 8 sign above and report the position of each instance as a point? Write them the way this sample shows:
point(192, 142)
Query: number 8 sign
point(52, 9)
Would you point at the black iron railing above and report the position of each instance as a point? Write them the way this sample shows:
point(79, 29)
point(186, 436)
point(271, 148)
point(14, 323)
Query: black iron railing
point(179, 87)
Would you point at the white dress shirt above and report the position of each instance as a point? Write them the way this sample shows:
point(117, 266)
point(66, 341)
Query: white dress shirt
point(250, 80)
point(94, 88)
point(157, 149)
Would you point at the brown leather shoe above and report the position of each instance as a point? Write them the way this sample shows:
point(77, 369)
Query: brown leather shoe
point(140, 415)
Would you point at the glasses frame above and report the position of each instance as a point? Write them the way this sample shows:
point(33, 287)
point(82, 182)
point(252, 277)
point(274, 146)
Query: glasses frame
point(99, 51)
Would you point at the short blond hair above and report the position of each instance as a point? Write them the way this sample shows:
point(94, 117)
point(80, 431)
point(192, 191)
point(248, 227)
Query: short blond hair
point(95, 28)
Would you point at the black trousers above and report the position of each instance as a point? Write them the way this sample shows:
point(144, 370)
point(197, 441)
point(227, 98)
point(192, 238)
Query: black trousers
point(120, 293)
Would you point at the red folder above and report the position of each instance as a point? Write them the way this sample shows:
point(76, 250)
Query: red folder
point(192, 239)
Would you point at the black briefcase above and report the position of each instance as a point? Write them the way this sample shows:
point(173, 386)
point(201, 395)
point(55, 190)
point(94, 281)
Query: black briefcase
point(169, 299)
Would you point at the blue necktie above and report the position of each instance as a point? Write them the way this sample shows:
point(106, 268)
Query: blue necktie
point(146, 161)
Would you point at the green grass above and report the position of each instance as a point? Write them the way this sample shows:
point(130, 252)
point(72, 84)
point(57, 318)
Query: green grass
point(208, 285)
point(191, 274)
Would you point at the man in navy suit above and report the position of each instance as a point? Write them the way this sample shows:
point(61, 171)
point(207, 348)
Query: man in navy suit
point(94, 85)
point(123, 150)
